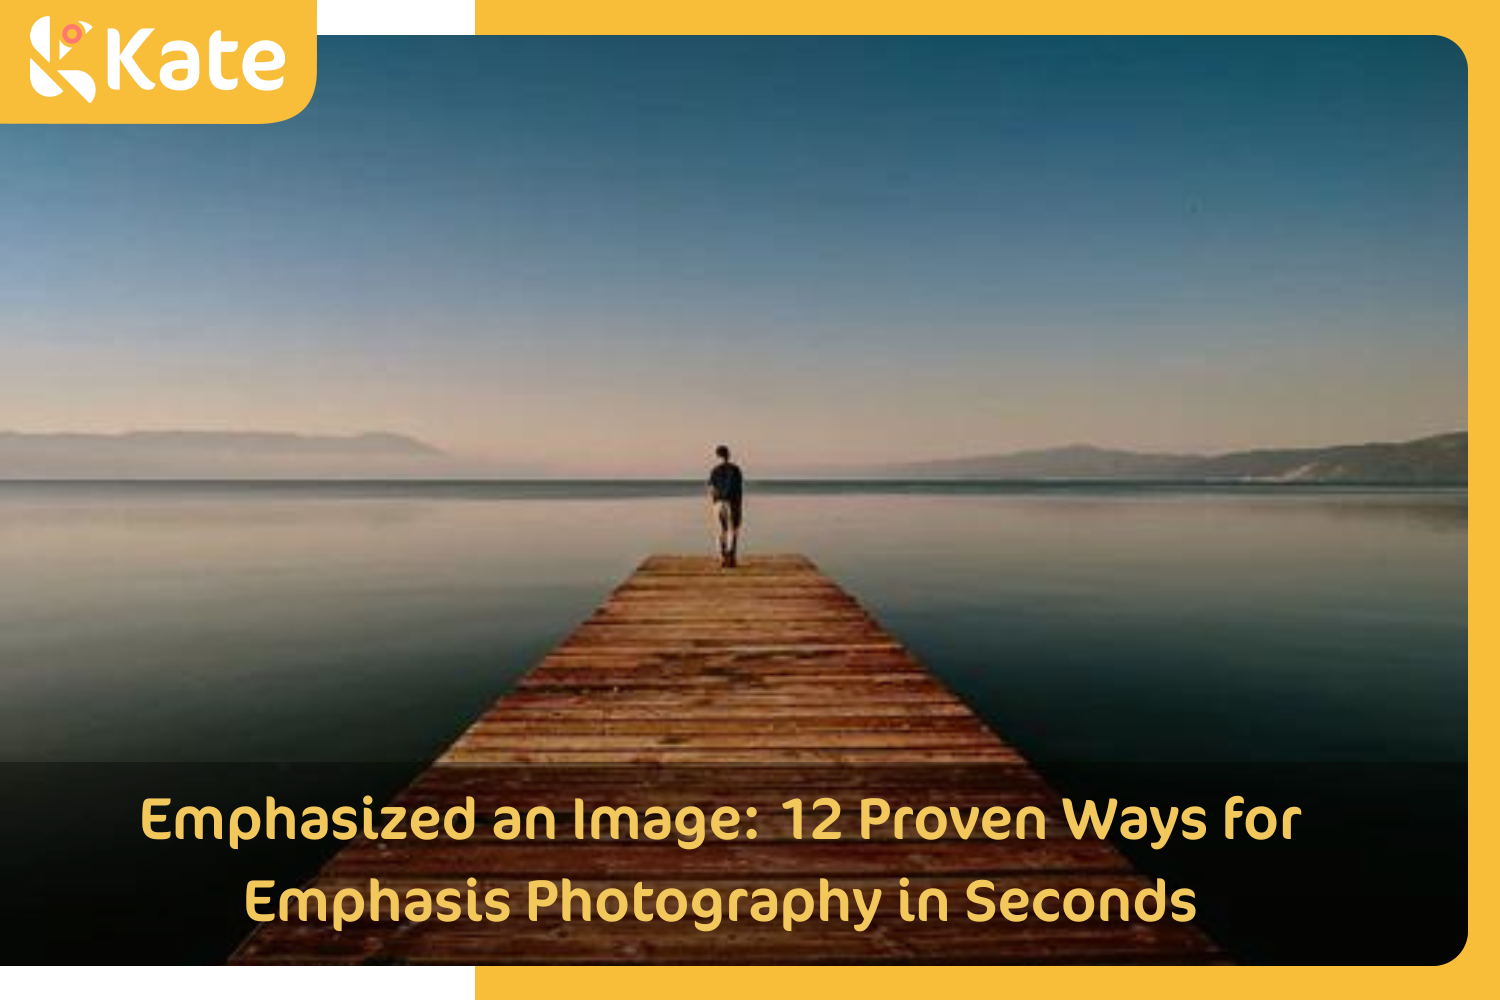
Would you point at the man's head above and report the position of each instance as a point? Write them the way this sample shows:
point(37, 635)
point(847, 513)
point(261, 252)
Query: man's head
point(723, 452)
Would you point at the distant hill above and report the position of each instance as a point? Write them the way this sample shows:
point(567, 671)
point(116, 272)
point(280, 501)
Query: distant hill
point(188, 454)
point(217, 455)
point(1443, 459)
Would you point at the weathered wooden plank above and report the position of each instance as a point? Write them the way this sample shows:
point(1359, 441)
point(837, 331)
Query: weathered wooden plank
point(464, 754)
point(627, 704)
point(763, 785)
point(527, 724)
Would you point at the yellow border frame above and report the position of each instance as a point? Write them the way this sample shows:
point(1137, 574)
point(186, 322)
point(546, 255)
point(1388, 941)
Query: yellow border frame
point(1466, 24)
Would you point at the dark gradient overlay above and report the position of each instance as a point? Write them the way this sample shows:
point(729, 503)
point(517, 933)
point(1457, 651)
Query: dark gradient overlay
point(1375, 872)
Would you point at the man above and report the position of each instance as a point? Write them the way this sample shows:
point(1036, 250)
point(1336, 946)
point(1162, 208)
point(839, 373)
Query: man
point(726, 502)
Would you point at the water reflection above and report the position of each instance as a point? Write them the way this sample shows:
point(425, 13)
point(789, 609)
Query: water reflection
point(372, 621)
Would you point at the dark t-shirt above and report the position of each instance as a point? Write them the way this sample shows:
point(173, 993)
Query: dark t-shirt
point(726, 482)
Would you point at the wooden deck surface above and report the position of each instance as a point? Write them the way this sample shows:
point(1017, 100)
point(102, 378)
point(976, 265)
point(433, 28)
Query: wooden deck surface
point(697, 685)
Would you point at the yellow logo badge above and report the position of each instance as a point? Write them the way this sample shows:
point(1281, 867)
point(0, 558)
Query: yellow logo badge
point(158, 62)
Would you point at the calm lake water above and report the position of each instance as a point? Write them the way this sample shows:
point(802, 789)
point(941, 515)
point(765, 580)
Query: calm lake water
point(374, 621)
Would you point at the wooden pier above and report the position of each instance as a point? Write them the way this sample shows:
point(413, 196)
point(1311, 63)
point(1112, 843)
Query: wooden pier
point(698, 685)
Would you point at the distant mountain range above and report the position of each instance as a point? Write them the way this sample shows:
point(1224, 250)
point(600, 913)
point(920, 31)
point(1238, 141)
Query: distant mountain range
point(217, 455)
point(1439, 460)
point(187, 454)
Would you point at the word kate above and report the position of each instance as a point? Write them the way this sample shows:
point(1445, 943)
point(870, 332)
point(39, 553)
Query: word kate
point(252, 65)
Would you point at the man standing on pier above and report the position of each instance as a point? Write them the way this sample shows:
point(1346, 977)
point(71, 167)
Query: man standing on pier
point(726, 500)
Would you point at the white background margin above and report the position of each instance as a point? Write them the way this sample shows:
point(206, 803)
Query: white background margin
point(395, 17)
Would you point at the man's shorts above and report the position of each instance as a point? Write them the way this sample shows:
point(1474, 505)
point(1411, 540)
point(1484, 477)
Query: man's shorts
point(729, 512)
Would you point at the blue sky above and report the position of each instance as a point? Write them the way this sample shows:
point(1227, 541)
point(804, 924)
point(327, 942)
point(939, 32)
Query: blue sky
point(601, 254)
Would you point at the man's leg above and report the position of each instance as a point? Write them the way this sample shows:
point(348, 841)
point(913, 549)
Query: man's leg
point(732, 535)
point(722, 521)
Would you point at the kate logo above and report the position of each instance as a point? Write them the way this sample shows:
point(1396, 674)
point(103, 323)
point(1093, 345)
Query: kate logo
point(41, 41)
point(177, 62)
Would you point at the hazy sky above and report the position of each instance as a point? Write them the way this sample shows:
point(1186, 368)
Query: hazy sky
point(607, 255)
